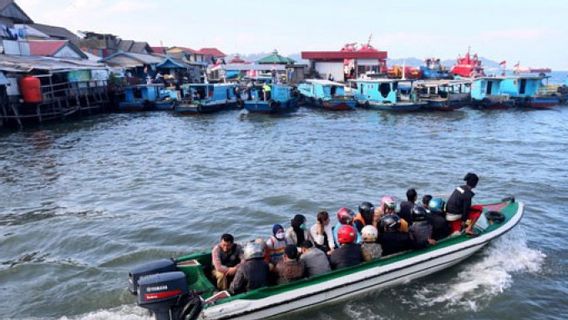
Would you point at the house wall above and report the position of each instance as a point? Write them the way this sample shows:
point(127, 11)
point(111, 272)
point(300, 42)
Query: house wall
point(335, 68)
point(67, 52)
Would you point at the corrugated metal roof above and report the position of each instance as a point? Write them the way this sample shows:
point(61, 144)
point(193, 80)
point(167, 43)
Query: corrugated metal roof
point(26, 64)
point(55, 32)
point(10, 10)
point(45, 47)
point(139, 59)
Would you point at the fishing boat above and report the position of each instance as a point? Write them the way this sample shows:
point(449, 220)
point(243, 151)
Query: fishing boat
point(207, 98)
point(433, 69)
point(444, 95)
point(468, 67)
point(387, 95)
point(325, 94)
point(528, 91)
point(145, 97)
point(487, 94)
point(280, 99)
point(181, 288)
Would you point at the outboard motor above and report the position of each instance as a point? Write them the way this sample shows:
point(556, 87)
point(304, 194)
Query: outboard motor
point(158, 266)
point(166, 296)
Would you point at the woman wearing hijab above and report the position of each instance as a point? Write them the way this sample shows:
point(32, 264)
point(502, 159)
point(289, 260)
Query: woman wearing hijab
point(298, 232)
point(276, 244)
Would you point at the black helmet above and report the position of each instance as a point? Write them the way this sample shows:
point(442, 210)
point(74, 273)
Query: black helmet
point(390, 223)
point(366, 209)
point(419, 213)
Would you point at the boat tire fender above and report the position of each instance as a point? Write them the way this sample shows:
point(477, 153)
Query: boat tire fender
point(192, 308)
point(273, 104)
point(495, 216)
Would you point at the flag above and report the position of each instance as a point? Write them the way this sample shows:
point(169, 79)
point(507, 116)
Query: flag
point(503, 63)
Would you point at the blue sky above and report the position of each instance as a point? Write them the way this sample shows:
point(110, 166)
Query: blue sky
point(512, 30)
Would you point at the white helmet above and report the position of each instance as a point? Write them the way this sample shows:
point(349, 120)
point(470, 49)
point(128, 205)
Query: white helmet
point(369, 234)
point(253, 250)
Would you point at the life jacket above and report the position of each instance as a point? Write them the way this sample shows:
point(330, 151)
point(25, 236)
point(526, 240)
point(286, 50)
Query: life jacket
point(360, 219)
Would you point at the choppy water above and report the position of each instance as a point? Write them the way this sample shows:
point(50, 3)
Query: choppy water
point(82, 203)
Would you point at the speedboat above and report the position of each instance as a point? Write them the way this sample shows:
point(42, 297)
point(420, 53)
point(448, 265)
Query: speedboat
point(181, 288)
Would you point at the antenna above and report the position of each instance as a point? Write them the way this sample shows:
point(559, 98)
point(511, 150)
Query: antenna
point(370, 38)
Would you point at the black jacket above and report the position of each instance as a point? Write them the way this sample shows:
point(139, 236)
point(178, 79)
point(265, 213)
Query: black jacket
point(346, 256)
point(419, 234)
point(393, 242)
point(460, 201)
point(252, 274)
point(406, 211)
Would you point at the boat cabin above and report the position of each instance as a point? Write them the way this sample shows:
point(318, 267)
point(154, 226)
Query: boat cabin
point(384, 91)
point(321, 89)
point(143, 92)
point(487, 86)
point(278, 92)
point(442, 88)
point(522, 86)
point(209, 92)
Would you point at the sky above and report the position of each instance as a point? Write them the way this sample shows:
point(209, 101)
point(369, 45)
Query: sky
point(533, 33)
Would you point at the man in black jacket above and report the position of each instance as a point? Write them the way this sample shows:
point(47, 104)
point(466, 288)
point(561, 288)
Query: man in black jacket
point(459, 205)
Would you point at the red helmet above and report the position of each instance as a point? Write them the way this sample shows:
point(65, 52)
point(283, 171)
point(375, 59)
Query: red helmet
point(345, 215)
point(346, 234)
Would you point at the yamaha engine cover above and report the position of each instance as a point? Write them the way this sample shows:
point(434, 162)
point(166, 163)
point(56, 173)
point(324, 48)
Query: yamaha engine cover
point(158, 266)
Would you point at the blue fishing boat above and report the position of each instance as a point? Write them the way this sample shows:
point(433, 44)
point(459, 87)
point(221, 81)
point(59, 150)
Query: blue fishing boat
point(325, 94)
point(487, 93)
point(279, 99)
point(444, 95)
point(433, 69)
point(387, 95)
point(207, 98)
point(527, 91)
point(145, 97)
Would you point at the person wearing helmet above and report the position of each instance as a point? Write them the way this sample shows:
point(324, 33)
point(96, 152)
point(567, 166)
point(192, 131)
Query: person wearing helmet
point(388, 206)
point(421, 230)
point(349, 252)
point(370, 249)
point(290, 268)
point(315, 260)
point(253, 273)
point(226, 257)
point(276, 243)
point(440, 227)
point(365, 216)
point(322, 233)
point(458, 208)
point(344, 217)
point(393, 240)
point(297, 233)
point(405, 211)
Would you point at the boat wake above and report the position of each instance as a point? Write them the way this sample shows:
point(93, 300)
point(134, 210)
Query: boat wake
point(125, 312)
point(480, 280)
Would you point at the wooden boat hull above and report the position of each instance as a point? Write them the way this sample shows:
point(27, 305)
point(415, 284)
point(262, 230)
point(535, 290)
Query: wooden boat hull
point(394, 107)
point(539, 102)
point(166, 105)
point(191, 108)
point(136, 106)
point(443, 104)
point(493, 104)
point(271, 107)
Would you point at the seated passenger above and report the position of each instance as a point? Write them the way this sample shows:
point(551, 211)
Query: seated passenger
point(405, 211)
point(298, 232)
point(421, 230)
point(440, 227)
point(253, 273)
point(344, 217)
point(290, 268)
point(322, 234)
point(426, 201)
point(349, 253)
point(370, 248)
point(276, 244)
point(314, 259)
point(388, 205)
point(364, 217)
point(393, 240)
point(226, 257)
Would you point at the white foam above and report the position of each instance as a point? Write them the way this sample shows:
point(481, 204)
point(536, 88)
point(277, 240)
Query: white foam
point(485, 278)
point(125, 312)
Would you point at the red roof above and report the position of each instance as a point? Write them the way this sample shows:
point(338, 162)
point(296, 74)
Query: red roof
point(46, 47)
point(186, 50)
point(161, 50)
point(341, 55)
point(237, 59)
point(211, 52)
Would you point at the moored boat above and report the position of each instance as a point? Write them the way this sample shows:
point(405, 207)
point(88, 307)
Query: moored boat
point(387, 95)
point(433, 69)
point(527, 91)
point(468, 67)
point(280, 99)
point(207, 98)
point(325, 94)
point(181, 289)
point(145, 97)
point(487, 94)
point(444, 95)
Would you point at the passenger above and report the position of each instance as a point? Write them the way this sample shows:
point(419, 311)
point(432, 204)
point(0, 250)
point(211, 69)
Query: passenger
point(297, 233)
point(267, 91)
point(322, 234)
point(438, 219)
point(226, 258)
point(349, 254)
point(262, 243)
point(421, 230)
point(388, 206)
point(276, 244)
point(458, 208)
point(392, 240)
point(365, 216)
point(407, 206)
point(370, 248)
point(426, 201)
point(344, 217)
point(314, 259)
point(290, 268)
point(253, 273)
